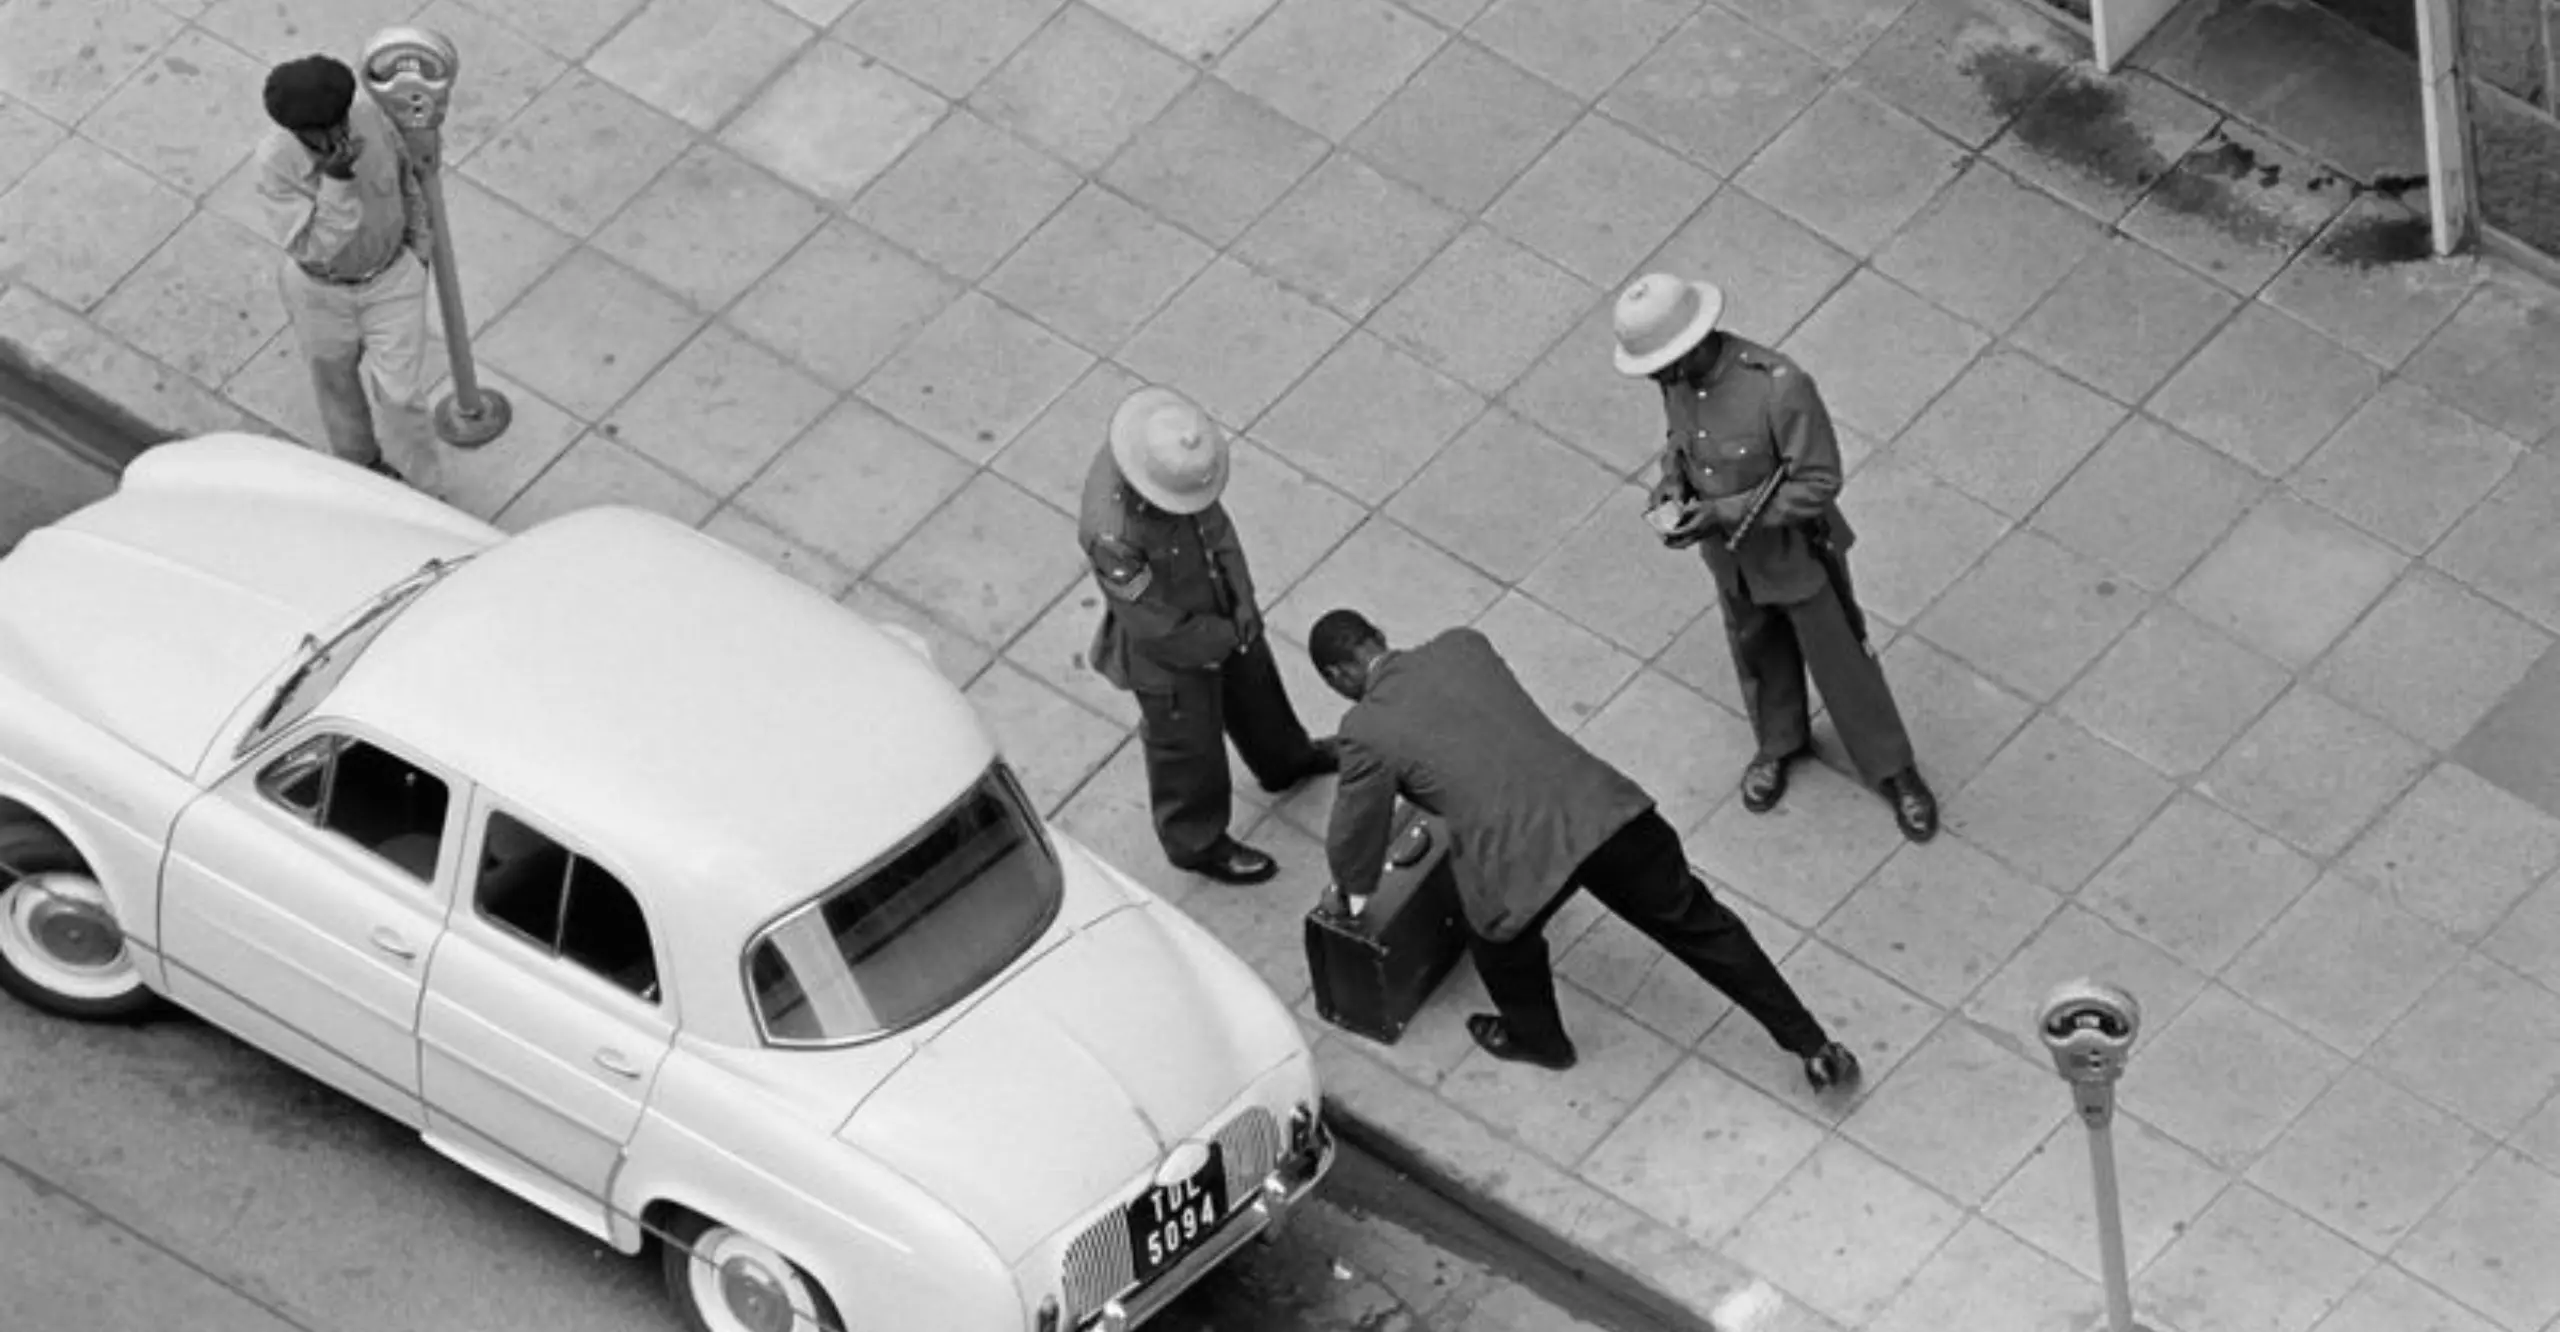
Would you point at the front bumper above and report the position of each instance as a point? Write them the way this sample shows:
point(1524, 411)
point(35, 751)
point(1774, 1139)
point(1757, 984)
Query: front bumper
point(1288, 1184)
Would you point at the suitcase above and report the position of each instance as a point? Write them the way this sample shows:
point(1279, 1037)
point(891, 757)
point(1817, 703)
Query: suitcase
point(1374, 971)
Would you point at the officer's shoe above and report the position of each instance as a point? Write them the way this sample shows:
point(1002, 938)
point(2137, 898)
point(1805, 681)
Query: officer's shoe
point(1831, 1066)
point(1231, 861)
point(1915, 809)
point(1764, 783)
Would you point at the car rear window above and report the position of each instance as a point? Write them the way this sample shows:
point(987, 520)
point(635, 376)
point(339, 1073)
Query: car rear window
point(914, 933)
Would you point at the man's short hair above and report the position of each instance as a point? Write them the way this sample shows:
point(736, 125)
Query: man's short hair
point(1338, 637)
point(312, 93)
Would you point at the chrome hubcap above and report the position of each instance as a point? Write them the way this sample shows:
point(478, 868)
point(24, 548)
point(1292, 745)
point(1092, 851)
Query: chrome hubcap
point(740, 1284)
point(57, 930)
point(754, 1298)
point(73, 932)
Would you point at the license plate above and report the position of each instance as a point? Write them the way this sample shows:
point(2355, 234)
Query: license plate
point(1168, 1220)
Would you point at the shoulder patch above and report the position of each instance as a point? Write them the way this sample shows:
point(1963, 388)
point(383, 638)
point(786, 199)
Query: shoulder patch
point(1121, 566)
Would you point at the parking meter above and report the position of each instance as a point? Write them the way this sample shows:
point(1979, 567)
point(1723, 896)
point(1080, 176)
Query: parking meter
point(2089, 1027)
point(410, 73)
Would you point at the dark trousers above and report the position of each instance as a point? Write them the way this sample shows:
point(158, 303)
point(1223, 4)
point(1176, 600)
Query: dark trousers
point(1774, 647)
point(1184, 730)
point(1642, 875)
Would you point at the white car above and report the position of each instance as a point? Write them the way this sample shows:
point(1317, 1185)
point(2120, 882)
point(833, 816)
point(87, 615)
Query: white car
point(646, 882)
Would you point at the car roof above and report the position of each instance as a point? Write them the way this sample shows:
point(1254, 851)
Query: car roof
point(722, 735)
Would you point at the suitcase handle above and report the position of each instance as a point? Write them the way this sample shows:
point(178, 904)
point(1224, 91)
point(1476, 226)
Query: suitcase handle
point(1409, 849)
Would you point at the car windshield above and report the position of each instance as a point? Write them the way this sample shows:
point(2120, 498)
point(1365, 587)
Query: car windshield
point(915, 932)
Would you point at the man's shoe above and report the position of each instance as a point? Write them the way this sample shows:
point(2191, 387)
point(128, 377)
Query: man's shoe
point(1831, 1066)
point(1764, 783)
point(1494, 1037)
point(1914, 808)
point(1323, 756)
point(1231, 861)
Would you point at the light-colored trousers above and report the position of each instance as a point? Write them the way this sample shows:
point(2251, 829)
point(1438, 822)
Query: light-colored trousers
point(367, 348)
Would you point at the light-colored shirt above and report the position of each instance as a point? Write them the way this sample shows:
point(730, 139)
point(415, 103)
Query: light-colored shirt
point(343, 229)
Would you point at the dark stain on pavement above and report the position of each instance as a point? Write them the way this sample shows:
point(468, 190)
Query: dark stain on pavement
point(2061, 115)
point(2210, 183)
point(2375, 240)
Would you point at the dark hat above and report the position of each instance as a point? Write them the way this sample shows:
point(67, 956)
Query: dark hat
point(311, 93)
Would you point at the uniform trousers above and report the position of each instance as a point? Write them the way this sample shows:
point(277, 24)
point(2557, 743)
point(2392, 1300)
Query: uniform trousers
point(367, 348)
point(1642, 875)
point(1773, 649)
point(1184, 727)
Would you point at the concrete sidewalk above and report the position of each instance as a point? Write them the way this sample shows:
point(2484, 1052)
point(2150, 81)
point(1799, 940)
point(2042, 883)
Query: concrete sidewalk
point(2214, 533)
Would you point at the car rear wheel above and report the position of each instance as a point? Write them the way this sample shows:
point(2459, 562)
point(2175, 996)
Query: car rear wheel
point(60, 947)
point(724, 1280)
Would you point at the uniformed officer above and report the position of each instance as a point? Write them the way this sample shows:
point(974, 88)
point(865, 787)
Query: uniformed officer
point(1181, 631)
point(1740, 414)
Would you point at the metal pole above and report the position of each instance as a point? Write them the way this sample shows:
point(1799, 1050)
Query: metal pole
point(2089, 1028)
point(410, 72)
point(2097, 1110)
point(468, 417)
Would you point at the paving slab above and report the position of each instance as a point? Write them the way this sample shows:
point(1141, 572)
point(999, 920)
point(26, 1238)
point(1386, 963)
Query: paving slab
point(2205, 520)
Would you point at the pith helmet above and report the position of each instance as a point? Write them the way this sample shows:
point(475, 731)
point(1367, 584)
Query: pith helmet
point(1169, 450)
point(1660, 317)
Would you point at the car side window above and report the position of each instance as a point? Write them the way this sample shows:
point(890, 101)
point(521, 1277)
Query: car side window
point(564, 904)
point(366, 794)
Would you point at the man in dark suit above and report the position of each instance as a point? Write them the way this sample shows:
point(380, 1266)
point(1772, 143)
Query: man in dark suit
point(1531, 815)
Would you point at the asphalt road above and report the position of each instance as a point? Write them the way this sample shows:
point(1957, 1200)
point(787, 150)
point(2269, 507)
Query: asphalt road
point(167, 1177)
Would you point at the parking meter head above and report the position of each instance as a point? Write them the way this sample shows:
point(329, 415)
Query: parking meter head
point(2088, 1027)
point(410, 72)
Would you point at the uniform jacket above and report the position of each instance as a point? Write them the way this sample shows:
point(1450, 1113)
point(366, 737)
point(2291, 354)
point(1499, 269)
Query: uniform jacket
point(1726, 435)
point(1176, 594)
point(1447, 726)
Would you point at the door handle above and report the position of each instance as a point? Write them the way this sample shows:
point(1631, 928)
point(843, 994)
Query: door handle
point(614, 1062)
point(393, 944)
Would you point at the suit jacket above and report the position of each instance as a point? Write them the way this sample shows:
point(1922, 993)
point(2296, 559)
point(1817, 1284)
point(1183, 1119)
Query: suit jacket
point(1176, 593)
point(1727, 431)
point(1447, 726)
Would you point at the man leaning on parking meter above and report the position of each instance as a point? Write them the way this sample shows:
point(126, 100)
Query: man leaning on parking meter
point(342, 198)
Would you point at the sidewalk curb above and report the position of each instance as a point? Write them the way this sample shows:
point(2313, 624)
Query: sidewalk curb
point(97, 388)
point(1682, 1284)
point(76, 415)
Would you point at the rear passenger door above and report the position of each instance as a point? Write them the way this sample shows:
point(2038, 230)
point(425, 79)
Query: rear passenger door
point(544, 1021)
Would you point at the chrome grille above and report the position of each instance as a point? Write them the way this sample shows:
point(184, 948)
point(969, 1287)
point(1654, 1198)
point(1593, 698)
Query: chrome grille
point(1099, 1266)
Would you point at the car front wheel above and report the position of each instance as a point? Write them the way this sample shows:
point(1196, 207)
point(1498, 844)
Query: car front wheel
point(60, 947)
point(725, 1280)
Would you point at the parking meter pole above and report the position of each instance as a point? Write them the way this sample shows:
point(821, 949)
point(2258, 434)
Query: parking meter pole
point(2098, 1111)
point(410, 72)
point(2089, 1029)
point(469, 416)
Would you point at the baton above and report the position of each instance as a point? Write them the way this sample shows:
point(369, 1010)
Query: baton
point(1759, 504)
